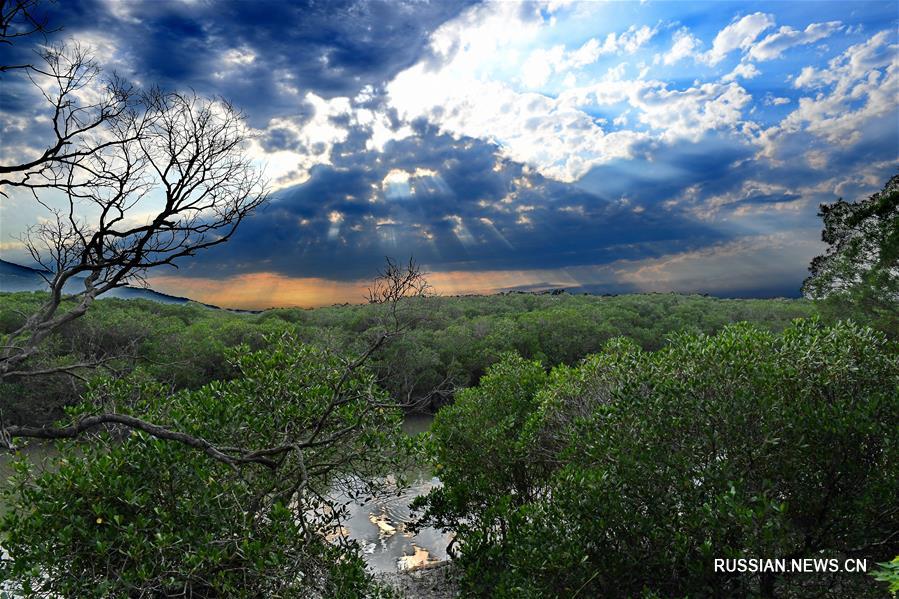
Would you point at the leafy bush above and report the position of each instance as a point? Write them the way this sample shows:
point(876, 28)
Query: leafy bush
point(630, 473)
point(888, 572)
point(484, 467)
point(134, 515)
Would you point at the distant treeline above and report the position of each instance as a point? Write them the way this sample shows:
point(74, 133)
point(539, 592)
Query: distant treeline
point(448, 344)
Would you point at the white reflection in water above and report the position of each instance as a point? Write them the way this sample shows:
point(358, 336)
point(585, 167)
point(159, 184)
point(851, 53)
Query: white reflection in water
point(379, 525)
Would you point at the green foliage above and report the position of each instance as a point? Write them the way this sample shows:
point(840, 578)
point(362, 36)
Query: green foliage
point(888, 572)
point(482, 463)
point(454, 341)
point(138, 516)
point(859, 272)
point(622, 474)
point(630, 473)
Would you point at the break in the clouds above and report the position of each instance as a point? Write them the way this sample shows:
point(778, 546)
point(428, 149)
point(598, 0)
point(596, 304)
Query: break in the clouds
point(596, 146)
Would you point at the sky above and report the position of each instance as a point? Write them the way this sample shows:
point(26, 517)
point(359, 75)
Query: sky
point(603, 147)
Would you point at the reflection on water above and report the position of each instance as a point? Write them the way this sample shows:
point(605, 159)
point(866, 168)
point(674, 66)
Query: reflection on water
point(419, 558)
point(382, 521)
point(379, 526)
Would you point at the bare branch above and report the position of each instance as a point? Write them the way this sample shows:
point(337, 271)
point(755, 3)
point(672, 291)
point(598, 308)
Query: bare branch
point(190, 149)
point(91, 422)
point(18, 19)
point(68, 369)
point(81, 107)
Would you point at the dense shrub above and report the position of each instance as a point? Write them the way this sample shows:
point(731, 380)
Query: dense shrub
point(135, 516)
point(630, 473)
point(485, 468)
point(453, 342)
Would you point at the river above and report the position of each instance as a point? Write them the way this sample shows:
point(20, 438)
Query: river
point(378, 526)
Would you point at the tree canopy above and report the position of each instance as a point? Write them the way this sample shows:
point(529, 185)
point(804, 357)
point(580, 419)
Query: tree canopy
point(627, 475)
point(861, 263)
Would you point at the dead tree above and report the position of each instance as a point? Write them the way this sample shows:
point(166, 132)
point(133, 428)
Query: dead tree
point(84, 112)
point(397, 282)
point(171, 180)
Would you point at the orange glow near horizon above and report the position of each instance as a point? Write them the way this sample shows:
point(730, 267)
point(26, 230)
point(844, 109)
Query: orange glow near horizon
point(261, 290)
point(258, 291)
point(705, 270)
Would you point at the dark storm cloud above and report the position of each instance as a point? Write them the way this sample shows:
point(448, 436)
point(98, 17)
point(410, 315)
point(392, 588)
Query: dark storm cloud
point(332, 48)
point(663, 172)
point(694, 174)
point(477, 211)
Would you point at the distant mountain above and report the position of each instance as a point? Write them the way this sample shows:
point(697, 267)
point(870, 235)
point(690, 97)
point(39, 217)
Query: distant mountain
point(14, 277)
point(19, 278)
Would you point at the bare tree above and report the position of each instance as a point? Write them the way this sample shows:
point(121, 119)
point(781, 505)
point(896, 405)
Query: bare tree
point(131, 180)
point(84, 112)
point(136, 180)
point(396, 282)
point(174, 180)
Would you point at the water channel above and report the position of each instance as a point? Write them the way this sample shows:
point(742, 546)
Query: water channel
point(379, 526)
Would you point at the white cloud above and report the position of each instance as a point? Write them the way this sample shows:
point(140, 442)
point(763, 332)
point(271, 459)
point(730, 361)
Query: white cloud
point(685, 45)
point(497, 30)
point(776, 101)
point(746, 70)
point(616, 73)
point(857, 61)
point(560, 140)
point(739, 35)
point(858, 87)
point(483, 65)
point(688, 114)
point(586, 54)
point(380, 128)
point(630, 41)
point(462, 94)
point(400, 184)
point(674, 114)
point(121, 10)
point(459, 94)
point(773, 45)
point(312, 141)
point(542, 63)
